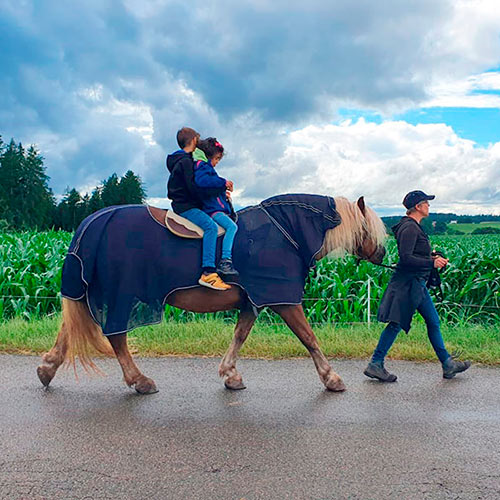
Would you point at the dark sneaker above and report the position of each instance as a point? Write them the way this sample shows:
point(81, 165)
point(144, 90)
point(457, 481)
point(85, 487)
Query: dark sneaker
point(226, 267)
point(452, 366)
point(377, 370)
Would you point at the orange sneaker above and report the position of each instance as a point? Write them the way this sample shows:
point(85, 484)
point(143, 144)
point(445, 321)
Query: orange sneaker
point(213, 281)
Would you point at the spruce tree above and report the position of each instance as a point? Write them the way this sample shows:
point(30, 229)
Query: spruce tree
point(69, 211)
point(131, 189)
point(13, 180)
point(84, 207)
point(40, 203)
point(110, 191)
point(27, 201)
point(95, 202)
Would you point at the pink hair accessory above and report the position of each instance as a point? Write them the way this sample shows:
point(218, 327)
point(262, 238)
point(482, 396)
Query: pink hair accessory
point(218, 144)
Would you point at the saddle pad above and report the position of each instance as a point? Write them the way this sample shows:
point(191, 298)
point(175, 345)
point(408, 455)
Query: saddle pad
point(184, 228)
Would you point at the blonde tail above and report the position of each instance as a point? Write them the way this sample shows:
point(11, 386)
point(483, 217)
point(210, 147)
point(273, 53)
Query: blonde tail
point(84, 337)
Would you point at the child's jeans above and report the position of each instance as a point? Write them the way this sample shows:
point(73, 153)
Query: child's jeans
point(200, 218)
point(230, 226)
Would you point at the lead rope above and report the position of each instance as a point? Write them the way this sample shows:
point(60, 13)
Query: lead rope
point(440, 295)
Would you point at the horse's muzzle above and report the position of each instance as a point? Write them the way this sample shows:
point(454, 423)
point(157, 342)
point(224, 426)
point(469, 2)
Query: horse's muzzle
point(378, 256)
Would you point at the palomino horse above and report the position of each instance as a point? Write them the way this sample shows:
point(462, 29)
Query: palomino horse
point(360, 233)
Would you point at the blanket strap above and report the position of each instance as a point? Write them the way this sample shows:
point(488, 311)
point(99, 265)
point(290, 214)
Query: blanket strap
point(281, 228)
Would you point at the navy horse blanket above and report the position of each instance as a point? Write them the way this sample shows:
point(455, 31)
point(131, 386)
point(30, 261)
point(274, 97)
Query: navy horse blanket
point(125, 264)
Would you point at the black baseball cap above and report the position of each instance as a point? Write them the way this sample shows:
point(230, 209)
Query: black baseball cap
point(413, 198)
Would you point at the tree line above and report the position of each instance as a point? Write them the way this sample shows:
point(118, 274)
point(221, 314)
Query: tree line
point(27, 201)
point(438, 223)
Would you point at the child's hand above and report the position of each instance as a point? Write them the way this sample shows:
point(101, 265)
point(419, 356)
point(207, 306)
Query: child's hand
point(228, 195)
point(229, 185)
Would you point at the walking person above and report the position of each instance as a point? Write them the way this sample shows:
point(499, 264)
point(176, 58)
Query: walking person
point(407, 291)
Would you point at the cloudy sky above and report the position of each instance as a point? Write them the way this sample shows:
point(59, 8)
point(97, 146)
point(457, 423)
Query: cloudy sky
point(340, 98)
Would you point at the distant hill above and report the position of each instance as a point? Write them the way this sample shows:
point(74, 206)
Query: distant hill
point(486, 227)
point(449, 223)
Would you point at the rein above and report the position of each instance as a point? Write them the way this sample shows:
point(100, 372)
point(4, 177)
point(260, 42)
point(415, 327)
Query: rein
point(358, 260)
point(384, 265)
point(439, 286)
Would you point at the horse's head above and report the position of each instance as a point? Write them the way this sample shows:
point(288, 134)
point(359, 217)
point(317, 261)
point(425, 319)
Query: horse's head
point(361, 233)
point(370, 245)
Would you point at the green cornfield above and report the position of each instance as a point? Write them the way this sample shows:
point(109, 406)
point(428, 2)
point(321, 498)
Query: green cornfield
point(30, 272)
point(336, 291)
point(471, 283)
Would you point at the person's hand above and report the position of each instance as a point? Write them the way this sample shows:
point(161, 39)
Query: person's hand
point(229, 185)
point(440, 262)
point(228, 195)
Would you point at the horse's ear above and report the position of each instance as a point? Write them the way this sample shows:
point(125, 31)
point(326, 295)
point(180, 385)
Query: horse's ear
point(361, 205)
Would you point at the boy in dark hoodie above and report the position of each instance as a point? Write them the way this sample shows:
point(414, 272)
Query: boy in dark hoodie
point(187, 203)
point(407, 291)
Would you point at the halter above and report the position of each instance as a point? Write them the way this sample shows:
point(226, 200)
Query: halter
point(359, 259)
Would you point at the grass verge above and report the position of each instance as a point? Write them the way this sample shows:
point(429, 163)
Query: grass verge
point(212, 337)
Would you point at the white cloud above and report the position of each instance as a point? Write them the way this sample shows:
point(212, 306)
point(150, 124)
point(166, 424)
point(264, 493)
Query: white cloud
point(158, 202)
point(92, 93)
point(467, 93)
point(383, 162)
point(103, 90)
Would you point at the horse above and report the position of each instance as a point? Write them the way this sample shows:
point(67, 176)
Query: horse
point(360, 233)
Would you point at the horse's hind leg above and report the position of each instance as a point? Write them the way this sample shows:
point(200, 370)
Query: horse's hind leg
point(227, 368)
point(131, 374)
point(53, 359)
point(295, 318)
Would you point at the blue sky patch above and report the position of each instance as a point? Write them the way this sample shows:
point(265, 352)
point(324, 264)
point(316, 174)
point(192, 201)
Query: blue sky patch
point(481, 125)
point(356, 114)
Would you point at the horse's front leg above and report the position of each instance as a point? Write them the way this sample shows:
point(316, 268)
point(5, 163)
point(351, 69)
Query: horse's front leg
point(131, 374)
point(295, 318)
point(227, 368)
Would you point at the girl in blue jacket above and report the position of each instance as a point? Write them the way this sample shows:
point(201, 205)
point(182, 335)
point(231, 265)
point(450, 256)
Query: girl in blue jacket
point(206, 158)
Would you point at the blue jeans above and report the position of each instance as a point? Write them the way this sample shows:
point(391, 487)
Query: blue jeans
point(200, 218)
point(430, 315)
point(230, 226)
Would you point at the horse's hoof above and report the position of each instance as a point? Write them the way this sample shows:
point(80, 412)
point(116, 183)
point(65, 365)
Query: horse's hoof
point(43, 372)
point(335, 385)
point(235, 385)
point(146, 386)
point(143, 390)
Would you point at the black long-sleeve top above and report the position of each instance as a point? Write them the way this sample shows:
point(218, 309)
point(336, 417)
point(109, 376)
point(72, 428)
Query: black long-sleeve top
point(405, 292)
point(414, 248)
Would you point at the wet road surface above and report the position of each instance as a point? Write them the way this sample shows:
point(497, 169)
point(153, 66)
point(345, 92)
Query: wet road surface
point(283, 437)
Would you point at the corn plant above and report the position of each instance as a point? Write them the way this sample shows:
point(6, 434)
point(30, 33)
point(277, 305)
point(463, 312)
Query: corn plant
point(30, 272)
point(336, 290)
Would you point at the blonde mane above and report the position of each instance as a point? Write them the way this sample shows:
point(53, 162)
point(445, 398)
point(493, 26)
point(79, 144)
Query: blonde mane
point(348, 235)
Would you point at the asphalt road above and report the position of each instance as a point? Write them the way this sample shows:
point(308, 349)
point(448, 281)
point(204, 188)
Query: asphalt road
point(283, 437)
